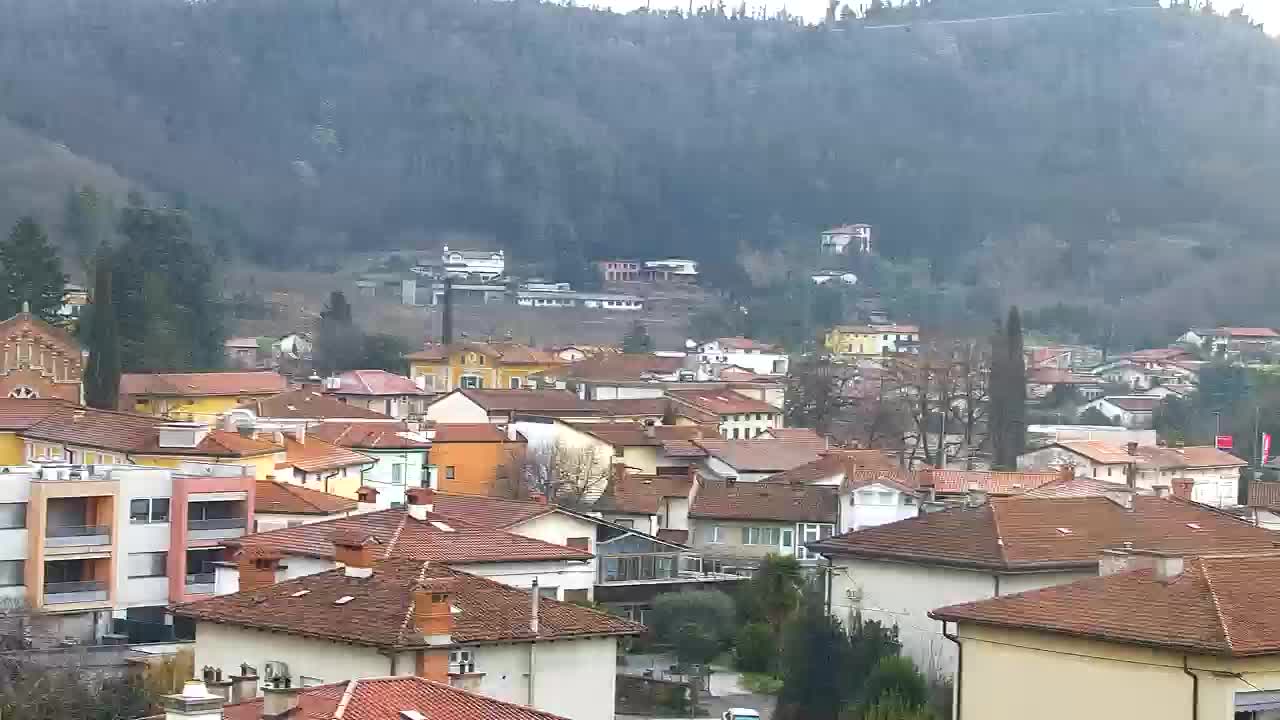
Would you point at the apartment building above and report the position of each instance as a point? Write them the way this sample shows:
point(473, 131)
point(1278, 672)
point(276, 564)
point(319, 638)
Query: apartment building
point(81, 545)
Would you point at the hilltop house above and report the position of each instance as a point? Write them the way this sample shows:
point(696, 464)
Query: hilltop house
point(847, 240)
point(872, 340)
point(473, 264)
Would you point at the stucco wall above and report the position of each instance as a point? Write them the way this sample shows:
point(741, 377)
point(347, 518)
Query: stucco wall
point(562, 575)
point(456, 408)
point(731, 546)
point(226, 646)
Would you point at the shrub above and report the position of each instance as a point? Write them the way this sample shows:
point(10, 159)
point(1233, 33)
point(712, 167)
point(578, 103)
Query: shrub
point(756, 648)
point(898, 676)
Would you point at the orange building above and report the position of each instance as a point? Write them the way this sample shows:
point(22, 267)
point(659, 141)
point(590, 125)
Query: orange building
point(469, 458)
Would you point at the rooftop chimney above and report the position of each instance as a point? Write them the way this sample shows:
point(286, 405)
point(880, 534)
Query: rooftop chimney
point(366, 499)
point(977, 497)
point(279, 698)
point(1067, 473)
point(619, 470)
point(650, 431)
point(355, 552)
point(244, 687)
point(1132, 448)
point(195, 702)
point(432, 613)
point(540, 498)
point(1182, 488)
point(421, 501)
point(1163, 491)
point(259, 567)
point(1165, 566)
point(511, 432)
point(534, 600)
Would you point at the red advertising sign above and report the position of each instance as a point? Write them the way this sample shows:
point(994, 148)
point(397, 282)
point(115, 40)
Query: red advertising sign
point(1266, 447)
point(1223, 442)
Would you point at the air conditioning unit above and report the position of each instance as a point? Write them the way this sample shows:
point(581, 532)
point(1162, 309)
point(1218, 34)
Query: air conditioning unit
point(276, 671)
point(333, 383)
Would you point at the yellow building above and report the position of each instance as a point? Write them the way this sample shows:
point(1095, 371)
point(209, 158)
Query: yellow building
point(1158, 637)
point(871, 339)
point(496, 366)
point(195, 396)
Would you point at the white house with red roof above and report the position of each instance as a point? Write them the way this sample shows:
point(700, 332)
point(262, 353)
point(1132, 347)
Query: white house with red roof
point(758, 357)
point(385, 392)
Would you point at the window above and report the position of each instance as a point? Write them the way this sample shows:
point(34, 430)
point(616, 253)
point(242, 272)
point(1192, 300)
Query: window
point(577, 596)
point(472, 382)
point(514, 383)
point(579, 543)
point(309, 681)
point(735, 433)
point(11, 572)
point(448, 472)
point(397, 474)
point(148, 510)
point(625, 522)
point(719, 534)
point(549, 592)
point(13, 515)
point(147, 564)
point(761, 536)
point(787, 538)
point(618, 451)
point(461, 662)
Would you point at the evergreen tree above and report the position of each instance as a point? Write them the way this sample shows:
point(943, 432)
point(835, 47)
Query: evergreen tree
point(815, 659)
point(31, 273)
point(1008, 394)
point(337, 310)
point(102, 373)
point(85, 220)
point(339, 343)
point(637, 339)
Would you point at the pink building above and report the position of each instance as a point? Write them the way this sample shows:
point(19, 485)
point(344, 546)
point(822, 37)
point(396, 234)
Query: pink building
point(207, 510)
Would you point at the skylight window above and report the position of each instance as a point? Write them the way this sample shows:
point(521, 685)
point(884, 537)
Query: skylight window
point(1194, 526)
point(300, 593)
point(1064, 531)
point(343, 600)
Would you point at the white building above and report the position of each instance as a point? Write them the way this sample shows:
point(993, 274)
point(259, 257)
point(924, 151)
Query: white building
point(760, 358)
point(874, 489)
point(571, 299)
point(897, 573)
point(671, 269)
point(840, 240)
point(399, 617)
point(1130, 411)
point(1200, 473)
point(479, 264)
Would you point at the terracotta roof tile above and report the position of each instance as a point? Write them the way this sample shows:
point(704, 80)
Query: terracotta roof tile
point(763, 454)
point(18, 414)
point(683, 432)
point(721, 402)
point(784, 502)
point(620, 434)
point(217, 443)
point(844, 464)
point(642, 494)
point(316, 455)
point(620, 367)
point(263, 382)
point(486, 511)
point(1194, 456)
point(1081, 487)
point(375, 616)
point(656, 407)
point(286, 499)
point(385, 699)
point(675, 536)
point(1024, 533)
point(375, 382)
point(1134, 404)
point(1263, 494)
point(795, 434)
point(404, 536)
point(369, 436)
point(545, 402)
point(682, 449)
point(308, 404)
point(1227, 606)
point(994, 483)
point(469, 433)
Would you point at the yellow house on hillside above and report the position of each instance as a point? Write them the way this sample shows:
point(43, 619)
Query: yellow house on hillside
point(871, 339)
point(195, 396)
point(475, 365)
point(1162, 636)
point(58, 431)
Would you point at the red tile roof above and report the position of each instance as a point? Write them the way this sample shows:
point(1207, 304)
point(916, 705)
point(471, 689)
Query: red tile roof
point(833, 464)
point(994, 483)
point(402, 535)
point(469, 433)
point(1020, 533)
point(376, 614)
point(368, 436)
point(784, 502)
point(794, 434)
point(1081, 487)
point(620, 434)
point(642, 494)
point(683, 432)
point(18, 414)
point(621, 367)
point(743, 343)
point(1246, 332)
point(763, 454)
point(1227, 606)
point(656, 407)
point(133, 433)
point(308, 404)
point(721, 402)
point(261, 382)
point(286, 499)
point(385, 699)
point(503, 353)
point(316, 455)
point(1134, 404)
point(375, 382)
point(1194, 456)
point(486, 511)
point(674, 536)
point(533, 402)
point(1263, 494)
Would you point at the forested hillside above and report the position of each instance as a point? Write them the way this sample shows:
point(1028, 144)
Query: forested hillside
point(567, 133)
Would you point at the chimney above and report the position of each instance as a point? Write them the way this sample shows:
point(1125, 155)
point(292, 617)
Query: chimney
point(277, 437)
point(1165, 566)
point(366, 499)
point(299, 434)
point(1163, 491)
point(650, 431)
point(534, 600)
point(355, 552)
point(212, 678)
point(195, 702)
point(1067, 473)
point(279, 698)
point(976, 497)
point(511, 432)
point(1169, 567)
point(244, 687)
point(1132, 448)
point(421, 501)
point(1182, 488)
point(432, 613)
point(540, 498)
point(259, 568)
point(619, 470)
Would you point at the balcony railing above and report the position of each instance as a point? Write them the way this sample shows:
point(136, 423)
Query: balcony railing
point(220, 524)
point(74, 592)
point(77, 535)
point(639, 567)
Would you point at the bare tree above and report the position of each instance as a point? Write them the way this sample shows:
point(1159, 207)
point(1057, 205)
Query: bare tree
point(943, 391)
point(563, 473)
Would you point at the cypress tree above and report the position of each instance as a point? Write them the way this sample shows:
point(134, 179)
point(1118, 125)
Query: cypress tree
point(102, 373)
point(1008, 393)
point(31, 273)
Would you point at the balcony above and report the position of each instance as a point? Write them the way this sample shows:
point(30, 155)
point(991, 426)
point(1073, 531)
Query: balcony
point(219, 529)
point(56, 593)
point(77, 535)
point(199, 584)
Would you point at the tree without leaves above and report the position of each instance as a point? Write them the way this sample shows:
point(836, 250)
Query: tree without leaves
point(31, 273)
point(815, 396)
point(102, 372)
